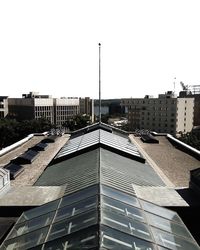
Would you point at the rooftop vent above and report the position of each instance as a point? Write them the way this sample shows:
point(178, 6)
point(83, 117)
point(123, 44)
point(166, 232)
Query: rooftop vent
point(4, 180)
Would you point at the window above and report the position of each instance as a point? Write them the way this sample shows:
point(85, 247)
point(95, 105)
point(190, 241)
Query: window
point(73, 224)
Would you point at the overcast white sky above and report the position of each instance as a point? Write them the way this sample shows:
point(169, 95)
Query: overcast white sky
point(52, 46)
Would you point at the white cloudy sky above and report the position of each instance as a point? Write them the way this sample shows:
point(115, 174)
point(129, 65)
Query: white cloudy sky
point(52, 46)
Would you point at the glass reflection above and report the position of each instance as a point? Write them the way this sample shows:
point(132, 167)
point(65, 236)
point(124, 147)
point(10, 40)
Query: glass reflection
point(26, 241)
point(118, 195)
point(73, 224)
point(48, 207)
point(77, 208)
point(114, 239)
point(168, 225)
point(171, 241)
point(163, 212)
point(81, 240)
point(122, 208)
point(31, 225)
point(79, 195)
point(125, 224)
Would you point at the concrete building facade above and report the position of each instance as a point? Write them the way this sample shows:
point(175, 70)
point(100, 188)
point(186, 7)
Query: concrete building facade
point(3, 106)
point(56, 110)
point(165, 114)
point(196, 96)
point(31, 106)
point(65, 109)
point(87, 107)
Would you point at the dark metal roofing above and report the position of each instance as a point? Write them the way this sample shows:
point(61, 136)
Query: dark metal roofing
point(99, 165)
point(148, 138)
point(76, 173)
point(100, 217)
point(26, 158)
point(14, 169)
point(50, 139)
point(39, 147)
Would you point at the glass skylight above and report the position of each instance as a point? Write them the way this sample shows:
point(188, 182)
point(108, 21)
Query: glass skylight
point(125, 222)
point(99, 136)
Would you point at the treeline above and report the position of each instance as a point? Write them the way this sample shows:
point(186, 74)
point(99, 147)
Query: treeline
point(192, 139)
point(77, 122)
point(12, 131)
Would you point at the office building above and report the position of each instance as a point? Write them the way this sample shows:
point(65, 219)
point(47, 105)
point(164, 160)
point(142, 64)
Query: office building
point(31, 106)
point(65, 109)
point(165, 114)
point(87, 107)
point(196, 96)
point(56, 110)
point(3, 106)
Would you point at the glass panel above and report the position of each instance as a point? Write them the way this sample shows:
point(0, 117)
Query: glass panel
point(122, 208)
point(163, 212)
point(121, 196)
point(125, 225)
point(77, 208)
point(31, 225)
point(113, 239)
point(81, 240)
point(171, 241)
point(168, 225)
point(162, 248)
point(80, 195)
point(69, 226)
point(26, 241)
point(35, 212)
point(40, 247)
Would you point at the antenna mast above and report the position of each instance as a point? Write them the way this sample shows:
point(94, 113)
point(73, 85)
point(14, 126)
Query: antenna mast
point(174, 84)
point(99, 83)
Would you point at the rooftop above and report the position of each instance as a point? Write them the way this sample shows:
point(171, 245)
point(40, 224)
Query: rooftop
point(174, 163)
point(97, 189)
point(32, 171)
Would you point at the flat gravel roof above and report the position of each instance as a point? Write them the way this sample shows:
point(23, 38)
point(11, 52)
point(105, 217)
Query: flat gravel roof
point(174, 163)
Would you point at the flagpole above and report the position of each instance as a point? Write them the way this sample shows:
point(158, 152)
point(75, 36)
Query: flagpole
point(99, 83)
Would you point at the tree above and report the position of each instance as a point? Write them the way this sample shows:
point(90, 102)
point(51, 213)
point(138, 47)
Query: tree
point(192, 138)
point(77, 122)
point(12, 131)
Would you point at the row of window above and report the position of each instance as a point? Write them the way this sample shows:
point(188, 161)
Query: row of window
point(43, 108)
point(163, 108)
point(66, 113)
point(43, 113)
point(158, 124)
point(149, 102)
point(63, 108)
point(132, 114)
